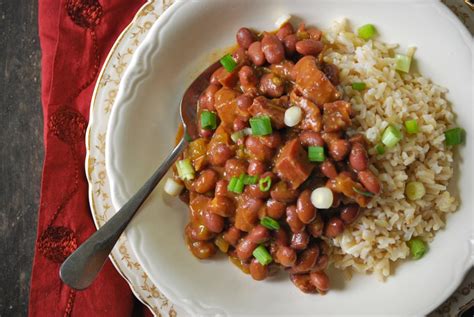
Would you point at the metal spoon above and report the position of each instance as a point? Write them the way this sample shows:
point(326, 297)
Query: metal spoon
point(81, 268)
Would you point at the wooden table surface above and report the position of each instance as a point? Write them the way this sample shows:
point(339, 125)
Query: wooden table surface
point(21, 160)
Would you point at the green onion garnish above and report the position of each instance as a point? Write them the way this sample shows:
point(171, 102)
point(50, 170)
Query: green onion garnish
point(316, 153)
point(417, 247)
point(185, 170)
point(270, 223)
point(454, 136)
point(361, 192)
point(208, 120)
point(402, 63)
point(236, 184)
point(237, 135)
point(250, 180)
point(415, 190)
point(391, 136)
point(412, 126)
point(262, 255)
point(229, 63)
point(358, 86)
point(367, 31)
point(265, 183)
point(261, 125)
point(380, 149)
point(187, 137)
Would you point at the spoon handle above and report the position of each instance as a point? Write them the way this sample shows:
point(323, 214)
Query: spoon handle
point(81, 268)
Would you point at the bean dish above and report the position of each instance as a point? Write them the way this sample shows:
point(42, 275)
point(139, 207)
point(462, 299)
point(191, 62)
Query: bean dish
point(274, 174)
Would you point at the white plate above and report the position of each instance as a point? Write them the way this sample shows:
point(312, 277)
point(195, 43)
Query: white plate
point(141, 132)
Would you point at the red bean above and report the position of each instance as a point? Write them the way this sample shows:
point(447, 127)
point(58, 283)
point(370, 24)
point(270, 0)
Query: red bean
point(334, 227)
point(339, 149)
point(328, 169)
point(202, 249)
point(289, 43)
point(370, 181)
point(232, 236)
point(247, 76)
point(306, 260)
point(303, 282)
point(239, 124)
point(300, 240)
point(314, 33)
point(285, 30)
point(257, 150)
point(281, 237)
point(282, 192)
point(336, 200)
point(316, 227)
point(311, 138)
point(275, 209)
point(204, 133)
point(219, 154)
point(286, 256)
point(245, 249)
point(283, 70)
point(212, 221)
point(240, 56)
point(256, 54)
point(322, 263)
point(259, 234)
point(332, 73)
point(293, 220)
point(206, 100)
point(309, 47)
point(222, 206)
point(304, 207)
point(256, 168)
point(198, 232)
point(272, 48)
point(206, 181)
point(255, 192)
point(358, 157)
point(358, 138)
point(245, 37)
point(234, 168)
point(221, 188)
point(349, 213)
point(244, 102)
point(272, 86)
point(273, 140)
point(257, 270)
point(321, 281)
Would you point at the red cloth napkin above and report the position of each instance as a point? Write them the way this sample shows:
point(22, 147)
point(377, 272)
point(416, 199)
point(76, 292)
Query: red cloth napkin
point(76, 36)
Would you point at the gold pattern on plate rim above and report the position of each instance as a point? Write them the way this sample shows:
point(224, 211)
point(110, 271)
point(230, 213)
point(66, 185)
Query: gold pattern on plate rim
point(102, 101)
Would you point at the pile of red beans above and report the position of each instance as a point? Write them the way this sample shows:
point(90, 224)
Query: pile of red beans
point(276, 71)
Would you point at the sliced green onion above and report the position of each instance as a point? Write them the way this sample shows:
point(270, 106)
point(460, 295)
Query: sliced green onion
point(412, 126)
point(316, 153)
point(270, 223)
point(261, 125)
point(185, 169)
point(262, 255)
point(366, 31)
point(454, 136)
point(363, 193)
point(229, 63)
point(380, 149)
point(250, 180)
point(358, 86)
point(265, 183)
point(402, 63)
point(237, 136)
point(391, 136)
point(415, 190)
point(208, 120)
point(236, 184)
point(417, 247)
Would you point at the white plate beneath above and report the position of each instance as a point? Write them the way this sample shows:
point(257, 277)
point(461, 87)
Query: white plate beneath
point(141, 133)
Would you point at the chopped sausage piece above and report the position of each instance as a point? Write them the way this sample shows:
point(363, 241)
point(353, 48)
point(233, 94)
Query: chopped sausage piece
point(225, 102)
point(246, 215)
point(344, 184)
point(292, 163)
point(225, 78)
point(312, 119)
point(312, 82)
point(264, 106)
point(337, 116)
